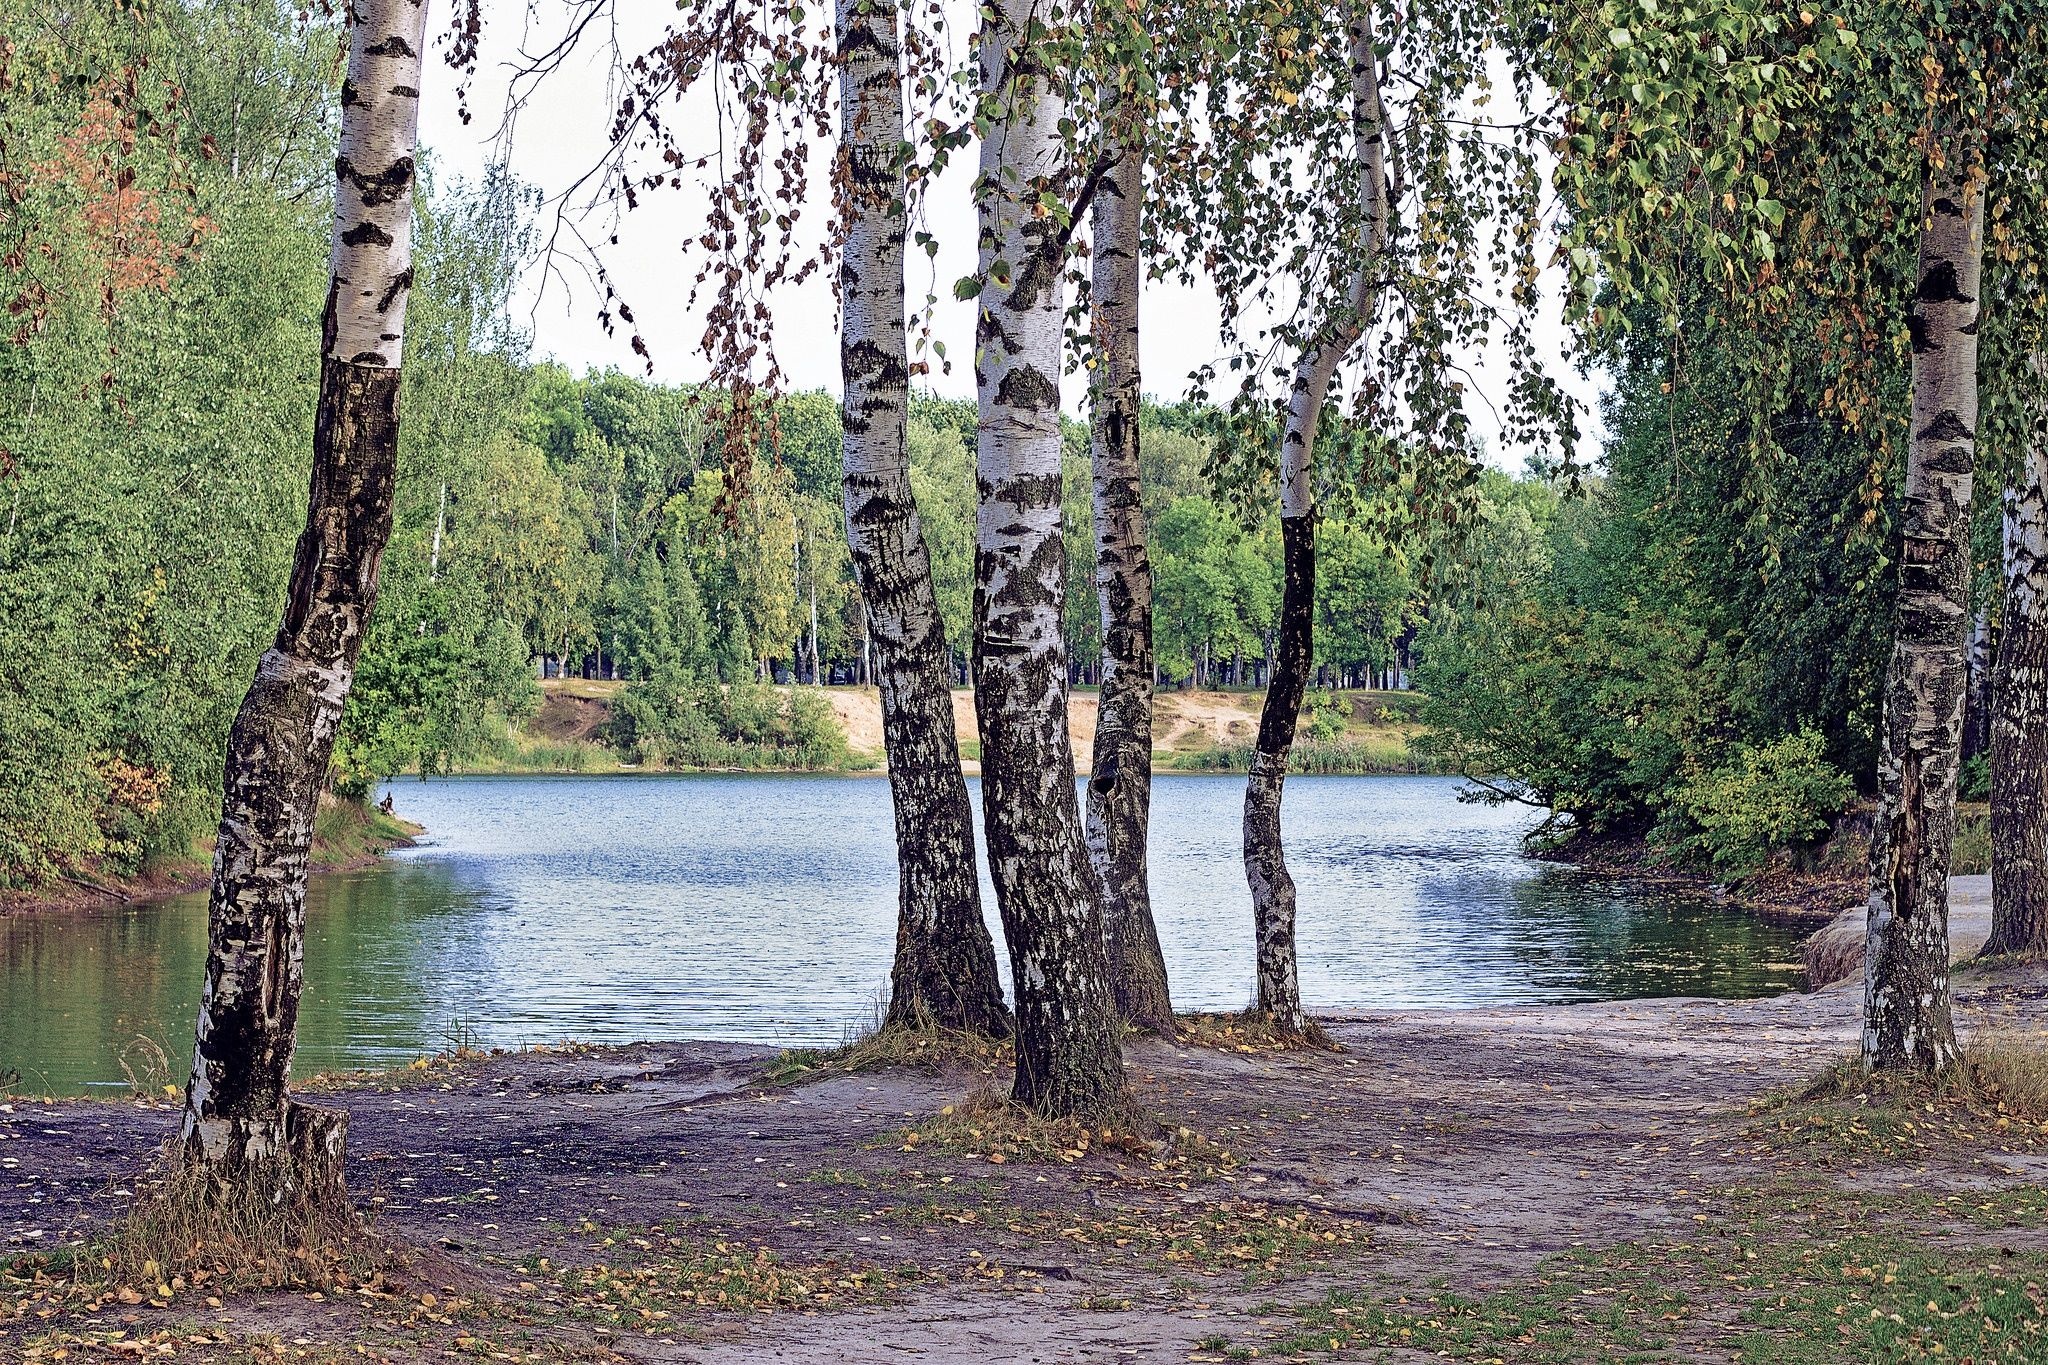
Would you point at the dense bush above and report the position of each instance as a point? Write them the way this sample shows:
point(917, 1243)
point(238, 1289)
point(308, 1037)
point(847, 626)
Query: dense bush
point(684, 721)
point(1781, 795)
point(1687, 646)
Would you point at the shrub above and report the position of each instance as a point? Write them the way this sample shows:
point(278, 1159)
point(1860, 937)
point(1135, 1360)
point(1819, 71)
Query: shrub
point(1325, 716)
point(1778, 796)
point(688, 722)
point(1970, 856)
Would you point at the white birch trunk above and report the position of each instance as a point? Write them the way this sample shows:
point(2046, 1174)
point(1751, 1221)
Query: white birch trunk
point(239, 1121)
point(1906, 1014)
point(945, 964)
point(2019, 700)
point(1120, 781)
point(1069, 1060)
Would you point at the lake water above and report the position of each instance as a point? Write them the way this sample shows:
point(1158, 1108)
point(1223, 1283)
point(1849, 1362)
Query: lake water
point(763, 908)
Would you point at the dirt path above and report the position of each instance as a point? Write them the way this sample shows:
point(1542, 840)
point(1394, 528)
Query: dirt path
point(1450, 1145)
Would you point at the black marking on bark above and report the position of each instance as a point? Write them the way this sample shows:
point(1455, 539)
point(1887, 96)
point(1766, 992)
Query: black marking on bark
point(1941, 284)
point(386, 186)
point(392, 46)
point(1026, 490)
point(400, 282)
point(1946, 426)
point(366, 233)
point(1025, 388)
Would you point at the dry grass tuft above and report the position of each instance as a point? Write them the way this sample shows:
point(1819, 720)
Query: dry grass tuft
point(2001, 1070)
point(2010, 1073)
point(1251, 1031)
point(1997, 1094)
point(927, 1048)
point(187, 1228)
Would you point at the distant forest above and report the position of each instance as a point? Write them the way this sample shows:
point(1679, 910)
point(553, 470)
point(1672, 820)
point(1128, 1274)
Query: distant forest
point(1627, 643)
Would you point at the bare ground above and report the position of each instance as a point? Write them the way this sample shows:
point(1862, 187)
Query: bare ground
point(566, 718)
point(1437, 1147)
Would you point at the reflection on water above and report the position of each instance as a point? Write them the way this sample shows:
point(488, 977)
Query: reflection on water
point(762, 908)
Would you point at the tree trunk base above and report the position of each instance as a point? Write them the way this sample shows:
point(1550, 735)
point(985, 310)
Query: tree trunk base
point(1296, 1031)
point(262, 1212)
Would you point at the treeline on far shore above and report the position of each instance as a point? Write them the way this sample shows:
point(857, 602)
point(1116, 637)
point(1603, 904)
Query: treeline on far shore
point(1693, 660)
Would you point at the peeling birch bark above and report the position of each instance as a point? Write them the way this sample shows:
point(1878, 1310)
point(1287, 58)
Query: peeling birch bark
point(945, 966)
point(1120, 788)
point(1977, 699)
point(1069, 1058)
point(2019, 701)
point(1265, 862)
point(1906, 1016)
point(239, 1120)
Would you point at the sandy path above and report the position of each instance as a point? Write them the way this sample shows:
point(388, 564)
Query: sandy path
point(1465, 1144)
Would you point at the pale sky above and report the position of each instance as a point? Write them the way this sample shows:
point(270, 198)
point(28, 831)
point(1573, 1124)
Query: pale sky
point(563, 127)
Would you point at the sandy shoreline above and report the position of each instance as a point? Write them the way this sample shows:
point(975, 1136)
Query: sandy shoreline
point(1457, 1146)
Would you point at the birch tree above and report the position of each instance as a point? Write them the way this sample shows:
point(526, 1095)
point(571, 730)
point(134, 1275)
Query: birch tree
point(945, 965)
point(1069, 1061)
point(2016, 426)
point(1265, 863)
point(1906, 1018)
point(1380, 294)
point(2019, 691)
point(1811, 173)
point(240, 1122)
point(1120, 782)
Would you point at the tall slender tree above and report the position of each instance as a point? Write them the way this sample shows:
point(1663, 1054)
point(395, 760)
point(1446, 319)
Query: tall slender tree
point(240, 1121)
point(1069, 1061)
point(945, 967)
point(1906, 1018)
point(1120, 781)
point(2019, 690)
point(2015, 420)
point(1265, 862)
point(1385, 283)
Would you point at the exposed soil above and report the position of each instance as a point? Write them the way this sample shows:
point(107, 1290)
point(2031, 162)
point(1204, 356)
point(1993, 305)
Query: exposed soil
point(859, 710)
point(564, 718)
point(1457, 1147)
point(1180, 720)
point(1203, 720)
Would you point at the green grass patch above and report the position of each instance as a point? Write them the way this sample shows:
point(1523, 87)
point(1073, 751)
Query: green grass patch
point(1792, 1279)
point(347, 832)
